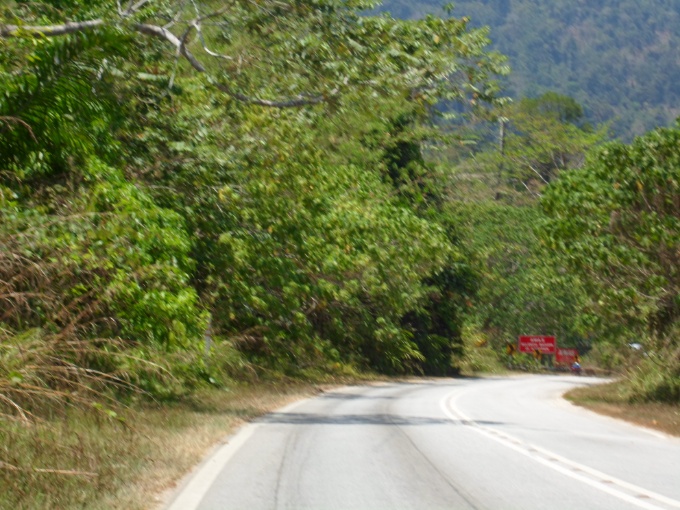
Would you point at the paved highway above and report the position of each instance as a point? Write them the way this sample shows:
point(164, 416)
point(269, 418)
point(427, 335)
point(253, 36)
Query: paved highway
point(493, 443)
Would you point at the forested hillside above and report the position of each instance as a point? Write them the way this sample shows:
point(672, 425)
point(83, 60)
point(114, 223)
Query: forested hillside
point(618, 58)
point(577, 236)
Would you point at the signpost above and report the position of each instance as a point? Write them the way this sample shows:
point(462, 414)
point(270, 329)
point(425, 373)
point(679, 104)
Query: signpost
point(566, 356)
point(542, 344)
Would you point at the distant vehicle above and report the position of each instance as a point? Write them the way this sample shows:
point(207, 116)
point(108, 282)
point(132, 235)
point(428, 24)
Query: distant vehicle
point(576, 368)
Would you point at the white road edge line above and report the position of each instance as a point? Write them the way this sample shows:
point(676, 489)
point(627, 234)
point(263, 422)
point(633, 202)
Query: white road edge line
point(194, 491)
point(191, 494)
point(449, 408)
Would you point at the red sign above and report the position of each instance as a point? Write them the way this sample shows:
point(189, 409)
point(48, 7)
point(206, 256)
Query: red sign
point(566, 356)
point(542, 344)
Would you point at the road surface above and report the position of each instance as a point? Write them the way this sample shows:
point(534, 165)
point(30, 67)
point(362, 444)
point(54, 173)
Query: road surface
point(493, 443)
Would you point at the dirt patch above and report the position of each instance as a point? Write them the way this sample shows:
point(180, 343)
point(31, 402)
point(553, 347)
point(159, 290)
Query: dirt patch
point(611, 400)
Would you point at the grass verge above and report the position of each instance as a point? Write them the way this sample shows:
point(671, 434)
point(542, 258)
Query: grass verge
point(131, 459)
point(612, 399)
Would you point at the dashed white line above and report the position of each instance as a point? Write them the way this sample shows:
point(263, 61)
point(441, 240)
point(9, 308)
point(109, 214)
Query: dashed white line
point(620, 489)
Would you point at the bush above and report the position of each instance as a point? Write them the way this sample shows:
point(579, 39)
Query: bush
point(656, 378)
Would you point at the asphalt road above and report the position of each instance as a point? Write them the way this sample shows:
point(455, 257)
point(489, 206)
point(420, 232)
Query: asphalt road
point(492, 443)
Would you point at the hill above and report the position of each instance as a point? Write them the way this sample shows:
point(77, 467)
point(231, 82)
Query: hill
point(618, 58)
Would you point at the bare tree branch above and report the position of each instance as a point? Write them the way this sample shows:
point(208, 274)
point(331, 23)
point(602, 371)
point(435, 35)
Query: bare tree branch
point(14, 120)
point(177, 16)
point(197, 24)
point(69, 27)
point(292, 102)
point(135, 7)
point(162, 32)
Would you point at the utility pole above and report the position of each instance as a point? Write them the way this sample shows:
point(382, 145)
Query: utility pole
point(502, 121)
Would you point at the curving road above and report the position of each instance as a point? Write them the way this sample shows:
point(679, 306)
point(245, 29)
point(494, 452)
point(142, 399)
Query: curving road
point(492, 443)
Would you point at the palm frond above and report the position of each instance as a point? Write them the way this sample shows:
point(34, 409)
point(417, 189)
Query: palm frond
point(54, 101)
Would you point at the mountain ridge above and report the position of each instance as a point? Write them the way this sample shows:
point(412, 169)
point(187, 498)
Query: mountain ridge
point(619, 58)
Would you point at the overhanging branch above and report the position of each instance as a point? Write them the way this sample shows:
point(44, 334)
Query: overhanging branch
point(163, 33)
point(70, 27)
point(8, 31)
point(292, 102)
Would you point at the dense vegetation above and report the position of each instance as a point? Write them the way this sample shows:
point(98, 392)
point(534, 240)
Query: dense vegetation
point(616, 223)
point(576, 236)
point(167, 221)
point(496, 188)
point(617, 58)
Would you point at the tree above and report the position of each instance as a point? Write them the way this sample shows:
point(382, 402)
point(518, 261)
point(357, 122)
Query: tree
point(521, 288)
point(617, 222)
point(543, 139)
point(164, 211)
point(298, 53)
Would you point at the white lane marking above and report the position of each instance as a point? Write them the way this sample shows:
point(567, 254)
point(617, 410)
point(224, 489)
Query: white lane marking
point(202, 480)
point(580, 472)
point(192, 493)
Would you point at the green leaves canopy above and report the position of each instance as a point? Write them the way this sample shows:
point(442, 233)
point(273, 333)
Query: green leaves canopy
point(289, 54)
point(153, 210)
point(617, 222)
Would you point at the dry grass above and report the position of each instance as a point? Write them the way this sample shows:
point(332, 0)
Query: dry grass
point(612, 400)
point(98, 459)
point(201, 425)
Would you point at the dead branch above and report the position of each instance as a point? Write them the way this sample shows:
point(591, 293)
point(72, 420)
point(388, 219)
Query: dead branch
point(180, 45)
point(70, 27)
point(15, 120)
point(68, 472)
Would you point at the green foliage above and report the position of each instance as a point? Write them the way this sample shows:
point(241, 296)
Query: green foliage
point(482, 360)
point(522, 289)
point(616, 222)
point(144, 209)
point(542, 141)
point(525, 362)
point(90, 264)
point(609, 356)
point(537, 140)
point(316, 250)
point(59, 105)
point(292, 55)
point(562, 109)
point(656, 378)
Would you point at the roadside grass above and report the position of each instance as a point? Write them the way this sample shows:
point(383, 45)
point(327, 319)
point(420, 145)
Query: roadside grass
point(133, 458)
point(130, 458)
point(613, 399)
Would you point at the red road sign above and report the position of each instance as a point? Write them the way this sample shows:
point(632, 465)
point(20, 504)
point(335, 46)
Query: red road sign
point(566, 356)
point(542, 344)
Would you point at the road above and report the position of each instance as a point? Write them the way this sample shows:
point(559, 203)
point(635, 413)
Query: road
point(492, 443)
